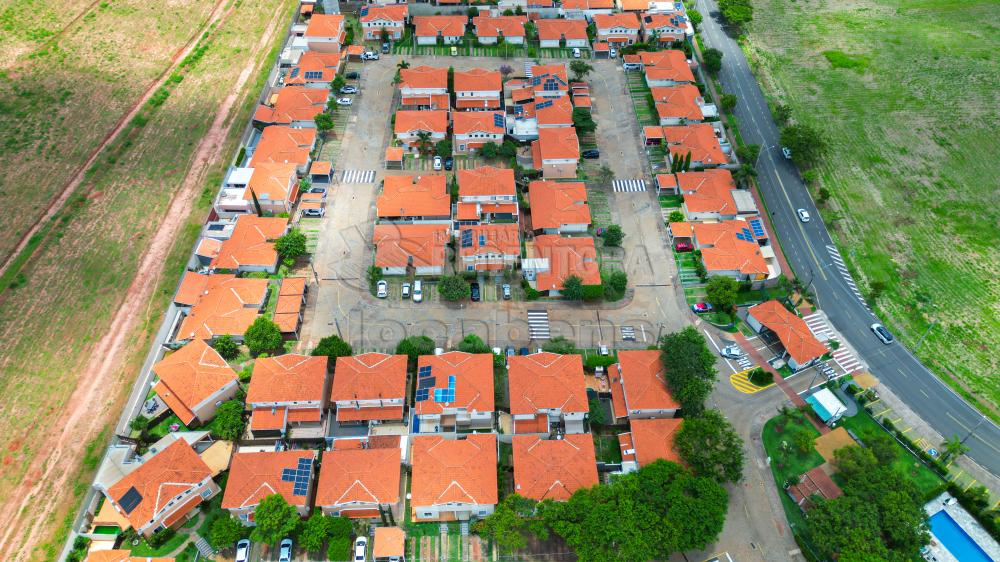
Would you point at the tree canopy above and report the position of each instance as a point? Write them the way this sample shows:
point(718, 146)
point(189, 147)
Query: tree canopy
point(332, 346)
point(560, 345)
point(736, 12)
point(510, 523)
point(274, 519)
point(226, 346)
point(721, 292)
point(263, 335)
point(613, 235)
point(572, 288)
point(690, 368)
point(228, 424)
point(453, 288)
point(805, 142)
point(415, 346)
point(710, 446)
point(226, 531)
point(713, 60)
point(472, 343)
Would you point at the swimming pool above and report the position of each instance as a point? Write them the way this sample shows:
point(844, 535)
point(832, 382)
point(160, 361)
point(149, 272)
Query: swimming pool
point(956, 540)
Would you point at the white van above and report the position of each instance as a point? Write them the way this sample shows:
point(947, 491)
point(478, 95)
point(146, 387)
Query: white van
point(576, 52)
point(418, 290)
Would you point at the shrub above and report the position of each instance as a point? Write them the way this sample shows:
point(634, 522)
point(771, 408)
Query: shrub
point(761, 377)
point(160, 538)
point(593, 293)
point(453, 288)
point(227, 347)
point(339, 549)
point(613, 235)
point(263, 335)
point(676, 216)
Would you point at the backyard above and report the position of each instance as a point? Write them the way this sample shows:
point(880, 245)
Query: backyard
point(912, 197)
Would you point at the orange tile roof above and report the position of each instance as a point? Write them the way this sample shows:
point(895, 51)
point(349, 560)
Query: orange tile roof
point(556, 29)
point(287, 378)
point(549, 73)
point(678, 102)
point(546, 381)
point(208, 247)
point(682, 229)
point(558, 112)
point(654, 439)
point(644, 379)
point(263, 419)
point(537, 424)
point(413, 121)
point(287, 322)
point(190, 375)
point(553, 468)
point(292, 286)
point(274, 181)
point(326, 64)
point(466, 122)
point(350, 414)
point(424, 77)
point(282, 144)
point(255, 476)
point(122, 556)
point(634, 5)
point(478, 79)
point(652, 132)
point(658, 21)
point(558, 144)
point(486, 180)
point(394, 154)
point(793, 332)
point(161, 478)
point(397, 244)
point(252, 242)
point(445, 26)
point(582, 101)
point(294, 103)
point(610, 21)
point(554, 204)
point(454, 470)
point(506, 26)
point(305, 415)
point(369, 376)
point(499, 238)
point(477, 103)
point(228, 307)
point(698, 139)
point(320, 168)
point(708, 191)
point(588, 4)
point(666, 181)
point(467, 211)
point(473, 381)
point(288, 304)
point(434, 101)
point(325, 25)
point(567, 256)
point(414, 196)
point(727, 252)
point(396, 13)
point(359, 476)
point(666, 65)
point(618, 407)
point(194, 285)
point(388, 542)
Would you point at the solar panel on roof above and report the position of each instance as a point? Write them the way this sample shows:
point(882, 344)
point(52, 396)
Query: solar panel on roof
point(757, 226)
point(536, 80)
point(426, 382)
point(451, 381)
point(466, 238)
point(421, 395)
point(130, 500)
point(424, 372)
point(364, 11)
point(498, 119)
point(543, 105)
point(314, 74)
point(295, 72)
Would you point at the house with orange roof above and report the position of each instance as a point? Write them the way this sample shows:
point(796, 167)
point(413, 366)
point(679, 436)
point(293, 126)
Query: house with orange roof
point(389, 544)
point(708, 194)
point(478, 89)
point(251, 246)
point(291, 301)
point(314, 70)
point(585, 9)
point(361, 483)
point(116, 555)
point(681, 105)
point(287, 397)
point(539, 113)
point(647, 441)
point(634, 5)
point(402, 249)
point(640, 378)
point(453, 479)
point(326, 32)
point(731, 249)
point(549, 80)
point(666, 68)
point(296, 106)
point(553, 258)
point(194, 381)
point(410, 124)
point(474, 129)
point(194, 285)
point(555, 33)
point(618, 30)
point(802, 348)
point(556, 152)
point(369, 387)
point(706, 145)
point(284, 145)
point(489, 247)
point(414, 199)
point(432, 30)
point(274, 184)
point(558, 207)
point(552, 469)
point(424, 87)
point(392, 19)
point(160, 489)
point(490, 30)
point(547, 393)
point(225, 307)
point(486, 194)
point(454, 392)
point(666, 184)
point(665, 27)
point(256, 475)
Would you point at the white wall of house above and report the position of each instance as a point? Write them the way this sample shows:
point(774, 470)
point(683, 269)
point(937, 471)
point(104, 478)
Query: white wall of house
point(652, 414)
point(394, 270)
point(406, 91)
point(324, 44)
point(205, 410)
point(430, 270)
point(410, 139)
point(373, 29)
point(463, 141)
point(488, 198)
point(433, 40)
point(451, 512)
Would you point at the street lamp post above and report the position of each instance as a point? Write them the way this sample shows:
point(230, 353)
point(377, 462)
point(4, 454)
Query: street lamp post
point(761, 153)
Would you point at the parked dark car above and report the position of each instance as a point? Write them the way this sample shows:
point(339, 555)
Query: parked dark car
point(352, 75)
point(385, 48)
point(700, 307)
point(524, 351)
point(475, 291)
point(591, 153)
point(449, 163)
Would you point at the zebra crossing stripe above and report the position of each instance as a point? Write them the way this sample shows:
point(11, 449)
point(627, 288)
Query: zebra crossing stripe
point(817, 325)
point(842, 268)
point(527, 68)
point(623, 186)
point(538, 324)
point(358, 176)
point(847, 361)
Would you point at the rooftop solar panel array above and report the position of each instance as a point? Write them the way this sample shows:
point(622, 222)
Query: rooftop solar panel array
point(298, 476)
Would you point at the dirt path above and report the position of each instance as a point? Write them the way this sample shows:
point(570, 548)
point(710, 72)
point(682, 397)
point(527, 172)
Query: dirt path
point(216, 18)
point(46, 488)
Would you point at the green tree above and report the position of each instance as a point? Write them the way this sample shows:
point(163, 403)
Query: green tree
point(782, 114)
point(806, 144)
point(593, 293)
point(339, 549)
point(613, 235)
point(803, 441)
point(736, 12)
point(953, 448)
point(713, 60)
point(727, 102)
point(228, 422)
point(415, 346)
point(614, 284)
point(508, 149)
point(274, 519)
point(263, 335)
point(676, 216)
point(580, 69)
point(291, 245)
point(748, 153)
point(443, 148)
point(453, 288)
point(374, 276)
point(695, 17)
point(596, 414)
point(226, 531)
point(139, 423)
point(490, 151)
point(423, 141)
point(509, 524)
point(314, 532)
point(383, 35)
point(560, 345)
point(332, 347)
point(472, 343)
point(572, 288)
point(339, 82)
point(711, 447)
point(690, 368)
point(721, 292)
point(324, 123)
point(583, 121)
point(744, 173)
point(226, 346)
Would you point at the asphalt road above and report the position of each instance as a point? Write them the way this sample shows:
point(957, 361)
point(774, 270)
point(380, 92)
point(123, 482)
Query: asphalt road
point(806, 247)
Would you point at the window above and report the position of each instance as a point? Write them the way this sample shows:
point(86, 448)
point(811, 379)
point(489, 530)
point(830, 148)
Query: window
point(205, 494)
point(482, 512)
point(428, 514)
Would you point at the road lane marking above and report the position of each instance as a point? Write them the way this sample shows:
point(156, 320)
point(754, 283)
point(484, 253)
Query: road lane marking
point(960, 424)
point(924, 393)
point(802, 230)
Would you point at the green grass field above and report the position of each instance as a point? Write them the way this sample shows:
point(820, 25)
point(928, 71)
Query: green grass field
point(905, 93)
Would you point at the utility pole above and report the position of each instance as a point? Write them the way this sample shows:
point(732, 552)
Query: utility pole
point(973, 430)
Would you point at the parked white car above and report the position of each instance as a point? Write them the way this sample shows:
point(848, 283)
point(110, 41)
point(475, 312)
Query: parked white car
point(803, 215)
point(418, 290)
point(345, 101)
point(382, 289)
point(360, 549)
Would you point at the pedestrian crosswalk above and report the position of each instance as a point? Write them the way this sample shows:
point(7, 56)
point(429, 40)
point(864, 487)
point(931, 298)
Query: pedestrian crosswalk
point(818, 326)
point(538, 324)
point(358, 176)
point(838, 261)
point(633, 185)
point(527, 68)
point(847, 361)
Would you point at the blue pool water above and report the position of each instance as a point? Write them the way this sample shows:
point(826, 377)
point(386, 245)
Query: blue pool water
point(956, 540)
